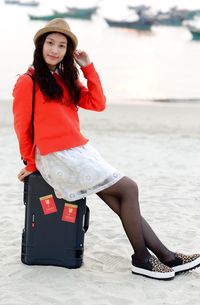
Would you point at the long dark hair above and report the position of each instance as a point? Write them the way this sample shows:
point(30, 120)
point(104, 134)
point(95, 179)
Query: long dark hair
point(66, 69)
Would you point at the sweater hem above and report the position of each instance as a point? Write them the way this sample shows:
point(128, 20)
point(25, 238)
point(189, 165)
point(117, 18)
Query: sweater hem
point(59, 148)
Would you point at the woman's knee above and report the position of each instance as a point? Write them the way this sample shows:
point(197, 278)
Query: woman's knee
point(127, 188)
point(124, 188)
point(131, 187)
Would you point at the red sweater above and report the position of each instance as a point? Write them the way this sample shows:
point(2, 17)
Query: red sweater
point(56, 125)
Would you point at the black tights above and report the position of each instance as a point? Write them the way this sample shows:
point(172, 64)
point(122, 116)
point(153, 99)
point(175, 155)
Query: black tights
point(122, 198)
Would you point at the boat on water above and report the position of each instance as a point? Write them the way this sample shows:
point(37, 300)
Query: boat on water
point(195, 34)
point(185, 13)
point(70, 13)
point(28, 3)
point(83, 10)
point(194, 31)
point(56, 14)
point(42, 17)
point(11, 1)
point(142, 24)
point(22, 3)
point(175, 16)
point(76, 13)
point(168, 19)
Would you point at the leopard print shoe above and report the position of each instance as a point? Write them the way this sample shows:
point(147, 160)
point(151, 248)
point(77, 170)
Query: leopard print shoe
point(152, 268)
point(182, 262)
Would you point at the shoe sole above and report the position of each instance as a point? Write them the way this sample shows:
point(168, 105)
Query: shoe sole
point(187, 267)
point(166, 276)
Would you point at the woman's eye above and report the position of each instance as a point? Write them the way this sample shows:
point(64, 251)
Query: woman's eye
point(49, 42)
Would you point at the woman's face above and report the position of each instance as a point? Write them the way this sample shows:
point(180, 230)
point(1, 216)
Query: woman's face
point(54, 49)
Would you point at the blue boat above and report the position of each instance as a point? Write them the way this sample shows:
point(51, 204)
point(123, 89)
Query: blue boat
point(76, 13)
point(28, 3)
point(84, 10)
point(43, 17)
point(67, 14)
point(22, 3)
point(195, 32)
point(168, 19)
point(142, 24)
point(185, 13)
point(11, 1)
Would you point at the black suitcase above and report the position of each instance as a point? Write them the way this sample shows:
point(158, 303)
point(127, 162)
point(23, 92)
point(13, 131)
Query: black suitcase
point(54, 228)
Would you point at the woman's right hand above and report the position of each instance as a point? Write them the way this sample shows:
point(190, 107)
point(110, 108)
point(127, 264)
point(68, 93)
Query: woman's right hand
point(22, 174)
point(82, 58)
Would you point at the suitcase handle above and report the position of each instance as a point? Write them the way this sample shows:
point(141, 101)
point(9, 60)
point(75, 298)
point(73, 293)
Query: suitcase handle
point(26, 182)
point(25, 199)
point(86, 221)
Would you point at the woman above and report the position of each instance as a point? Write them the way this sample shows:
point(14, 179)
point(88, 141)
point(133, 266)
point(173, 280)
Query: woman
point(63, 155)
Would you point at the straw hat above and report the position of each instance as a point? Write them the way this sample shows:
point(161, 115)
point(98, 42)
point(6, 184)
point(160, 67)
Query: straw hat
point(57, 25)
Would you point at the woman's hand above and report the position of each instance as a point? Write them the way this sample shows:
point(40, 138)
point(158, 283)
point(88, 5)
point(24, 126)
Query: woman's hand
point(22, 174)
point(82, 58)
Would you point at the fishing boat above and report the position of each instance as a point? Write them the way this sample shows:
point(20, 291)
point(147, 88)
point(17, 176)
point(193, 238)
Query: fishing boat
point(55, 14)
point(76, 13)
point(28, 3)
point(11, 1)
point(140, 24)
point(84, 10)
point(22, 3)
point(42, 17)
point(185, 13)
point(195, 32)
point(168, 19)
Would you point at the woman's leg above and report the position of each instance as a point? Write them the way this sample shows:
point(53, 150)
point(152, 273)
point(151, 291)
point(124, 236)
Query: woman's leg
point(126, 205)
point(122, 198)
point(126, 192)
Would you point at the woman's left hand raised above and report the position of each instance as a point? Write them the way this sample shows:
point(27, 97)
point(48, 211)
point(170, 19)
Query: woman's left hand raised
point(82, 58)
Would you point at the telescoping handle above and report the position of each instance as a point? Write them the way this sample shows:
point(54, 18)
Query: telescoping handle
point(87, 219)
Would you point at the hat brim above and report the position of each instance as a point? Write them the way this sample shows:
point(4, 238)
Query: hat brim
point(50, 29)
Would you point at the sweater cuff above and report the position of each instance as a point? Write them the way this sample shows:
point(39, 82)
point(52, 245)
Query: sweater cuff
point(31, 168)
point(88, 69)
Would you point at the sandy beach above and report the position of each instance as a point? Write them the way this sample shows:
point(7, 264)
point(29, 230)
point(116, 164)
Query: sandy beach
point(158, 146)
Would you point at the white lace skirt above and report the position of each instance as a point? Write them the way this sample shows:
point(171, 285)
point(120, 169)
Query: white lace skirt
point(77, 172)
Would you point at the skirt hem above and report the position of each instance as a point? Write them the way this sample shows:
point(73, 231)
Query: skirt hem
point(103, 187)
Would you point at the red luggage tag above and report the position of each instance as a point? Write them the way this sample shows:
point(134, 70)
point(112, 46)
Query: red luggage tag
point(48, 204)
point(69, 212)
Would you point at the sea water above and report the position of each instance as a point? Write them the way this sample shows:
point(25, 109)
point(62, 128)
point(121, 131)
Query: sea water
point(161, 64)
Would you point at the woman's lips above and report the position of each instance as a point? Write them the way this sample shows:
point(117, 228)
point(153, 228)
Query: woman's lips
point(52, 57)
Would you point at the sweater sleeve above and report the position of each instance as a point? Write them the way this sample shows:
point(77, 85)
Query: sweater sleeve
point(22, 111)
point(92, 97)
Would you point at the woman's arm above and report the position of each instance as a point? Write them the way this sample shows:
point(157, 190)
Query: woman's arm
point(92, 96)
point(22, 111)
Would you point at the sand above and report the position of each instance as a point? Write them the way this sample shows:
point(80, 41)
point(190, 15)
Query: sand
point(158, 146)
